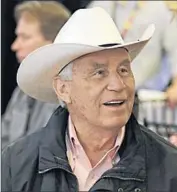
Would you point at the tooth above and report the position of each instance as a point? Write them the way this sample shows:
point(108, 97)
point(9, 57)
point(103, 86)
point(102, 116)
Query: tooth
point(116, 102)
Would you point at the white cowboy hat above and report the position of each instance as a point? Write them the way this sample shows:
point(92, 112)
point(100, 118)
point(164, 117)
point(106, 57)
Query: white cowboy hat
point(83, 33)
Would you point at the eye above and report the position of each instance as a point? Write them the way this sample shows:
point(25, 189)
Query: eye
point(100, 73)
point(25, 37)
point(124, 70)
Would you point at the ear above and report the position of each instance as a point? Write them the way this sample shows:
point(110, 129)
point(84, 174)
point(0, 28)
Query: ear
point(62, 89)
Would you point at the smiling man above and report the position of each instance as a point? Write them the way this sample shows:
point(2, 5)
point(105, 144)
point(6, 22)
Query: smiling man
point(102, 90)
point(93, 142)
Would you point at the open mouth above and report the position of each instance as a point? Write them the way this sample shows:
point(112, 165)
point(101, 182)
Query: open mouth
point(114, 103)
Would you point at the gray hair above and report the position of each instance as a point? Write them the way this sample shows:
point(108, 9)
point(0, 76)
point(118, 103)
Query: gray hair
point(65, 75)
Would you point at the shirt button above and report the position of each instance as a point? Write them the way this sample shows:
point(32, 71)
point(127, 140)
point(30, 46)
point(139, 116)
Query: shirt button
point(137, 190)
point(120, 190)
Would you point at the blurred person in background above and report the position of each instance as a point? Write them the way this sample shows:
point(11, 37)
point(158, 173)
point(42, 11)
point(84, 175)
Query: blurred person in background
point(160, 54)
point(37, 25)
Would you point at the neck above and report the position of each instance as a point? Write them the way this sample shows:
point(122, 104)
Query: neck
point(96, 141)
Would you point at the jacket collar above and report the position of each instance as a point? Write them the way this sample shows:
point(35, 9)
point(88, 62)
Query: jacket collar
point(132, 164)
point(52, 150)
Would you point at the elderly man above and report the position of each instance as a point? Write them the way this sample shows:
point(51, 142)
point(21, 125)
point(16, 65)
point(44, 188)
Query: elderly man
point(93, 142)
point(37, 25)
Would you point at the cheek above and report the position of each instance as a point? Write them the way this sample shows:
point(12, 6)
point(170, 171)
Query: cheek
point(32, 45)
point(81, 103)
point(85, 96)
point(78, 94)
point(81, 94)
point(131, 90)
point(130, 84)
point(28, 47)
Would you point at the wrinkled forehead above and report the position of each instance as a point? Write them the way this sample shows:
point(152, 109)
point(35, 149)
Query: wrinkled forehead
point(105, 57)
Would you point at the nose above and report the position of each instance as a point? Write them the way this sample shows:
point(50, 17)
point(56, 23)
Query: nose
point(115, 83)
point(15, 45)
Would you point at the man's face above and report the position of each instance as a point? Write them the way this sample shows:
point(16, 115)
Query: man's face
point(28, 37)
point(102, 88)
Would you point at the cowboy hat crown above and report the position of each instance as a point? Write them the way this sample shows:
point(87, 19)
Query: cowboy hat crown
point(91, 26)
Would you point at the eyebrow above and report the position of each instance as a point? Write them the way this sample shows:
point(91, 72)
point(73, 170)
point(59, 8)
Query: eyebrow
point(101, 65)
point(125, 61)
point(98, 65)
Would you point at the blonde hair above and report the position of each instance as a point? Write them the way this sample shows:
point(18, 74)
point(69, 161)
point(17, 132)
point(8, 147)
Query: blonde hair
point(51, 15)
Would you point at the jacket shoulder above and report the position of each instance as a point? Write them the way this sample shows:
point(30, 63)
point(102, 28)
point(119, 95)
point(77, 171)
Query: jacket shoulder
point(20, 159)
point(22, 152)
point(29, 142)
point(161, 159)
point(158, 142)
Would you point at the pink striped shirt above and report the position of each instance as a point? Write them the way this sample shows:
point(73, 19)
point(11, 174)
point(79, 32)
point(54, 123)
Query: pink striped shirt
point(80, 164)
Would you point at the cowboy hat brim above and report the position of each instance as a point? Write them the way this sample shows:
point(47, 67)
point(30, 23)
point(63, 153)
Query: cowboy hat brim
point(36, 72)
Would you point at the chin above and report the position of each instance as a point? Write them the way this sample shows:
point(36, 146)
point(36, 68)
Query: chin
point(115, 122)
point(20, 58)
